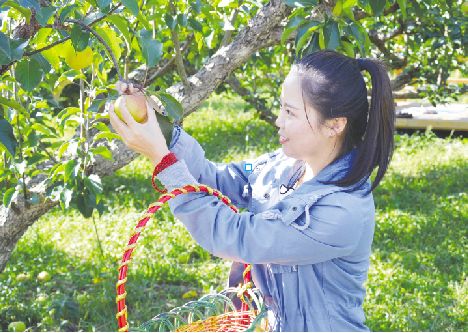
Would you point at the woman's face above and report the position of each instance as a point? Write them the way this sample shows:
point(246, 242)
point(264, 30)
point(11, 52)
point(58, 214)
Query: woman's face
point(302, 141)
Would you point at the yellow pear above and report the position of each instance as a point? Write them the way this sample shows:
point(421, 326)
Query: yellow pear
point(136, 106)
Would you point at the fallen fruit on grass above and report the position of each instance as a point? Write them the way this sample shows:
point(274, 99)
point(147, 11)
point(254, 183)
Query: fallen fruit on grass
point(17, 326)
point(136, 106)
point(41, 299)
point(22, 277)
point(43, 276)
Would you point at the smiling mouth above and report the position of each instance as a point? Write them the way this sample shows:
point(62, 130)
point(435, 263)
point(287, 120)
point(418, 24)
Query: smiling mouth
point(282, 139)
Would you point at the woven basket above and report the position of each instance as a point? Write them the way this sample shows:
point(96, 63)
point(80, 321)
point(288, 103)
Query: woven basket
point(211, 313)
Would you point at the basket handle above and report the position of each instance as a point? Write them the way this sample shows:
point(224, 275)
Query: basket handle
point(126, 258)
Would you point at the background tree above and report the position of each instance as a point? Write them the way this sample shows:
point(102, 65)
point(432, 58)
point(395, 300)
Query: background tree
point(59, 61)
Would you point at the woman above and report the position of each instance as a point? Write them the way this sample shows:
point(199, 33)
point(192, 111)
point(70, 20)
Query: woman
point(310, 222)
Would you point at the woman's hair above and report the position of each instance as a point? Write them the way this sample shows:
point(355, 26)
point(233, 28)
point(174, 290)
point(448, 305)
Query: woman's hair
point(334, 85)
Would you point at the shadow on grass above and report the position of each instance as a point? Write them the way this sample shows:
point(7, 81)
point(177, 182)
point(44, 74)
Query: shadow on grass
point(80, 294)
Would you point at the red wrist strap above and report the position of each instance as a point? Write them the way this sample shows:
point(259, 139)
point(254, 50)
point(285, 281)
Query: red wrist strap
point(166, 161)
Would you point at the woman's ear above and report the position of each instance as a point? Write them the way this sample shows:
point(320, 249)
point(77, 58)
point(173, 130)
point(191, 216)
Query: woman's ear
point(336, 125)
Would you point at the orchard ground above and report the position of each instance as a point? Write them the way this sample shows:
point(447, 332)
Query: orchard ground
point(417, 280)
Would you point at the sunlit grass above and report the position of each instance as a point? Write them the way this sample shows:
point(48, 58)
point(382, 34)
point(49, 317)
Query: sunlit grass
point(417, 279)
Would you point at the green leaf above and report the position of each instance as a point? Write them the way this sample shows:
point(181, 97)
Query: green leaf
point(65, 196)
point(338, 8)
point(93, 182)
point(50, 132)
point(142, 19)
point(132, 6)
point(331, 35)
point(377, 6)
point(313, 44)
point(402, 5)
point(7, 196)
point(358, 33)
point(12, 104)
point(171, 105)
point(304, 33)
point(182, 20)
point(45, 65)
point(28, 73)
point(103, 4)
point(96, 104)
point(101, 127)
point(348, 48)
point(7, 137)
point(195, 24)
point(196, 6)
point(349, 3)
point(67, 11)
point(107, 135)
point(71, 170)
point(150, 48)
point(170, 21)
point(26, 12)
point(300, 3)
point(85, 204)
point(79, 38)
point(103, 151)
point(32, 140)
point(112, 40)
point(292, 25)
point(44, 14)
point(122, 25)
point(35, 158)
point(30, 4)
point(11, 49)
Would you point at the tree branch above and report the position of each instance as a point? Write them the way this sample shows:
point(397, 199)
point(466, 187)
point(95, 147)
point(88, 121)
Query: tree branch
point(178, 56)
point(4, 68)
point(359, 14)
point(258, 34)
point(258, 103)
point(103, 42)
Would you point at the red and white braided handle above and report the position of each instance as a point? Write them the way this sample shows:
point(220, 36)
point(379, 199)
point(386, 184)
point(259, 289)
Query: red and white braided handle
point(153, 208)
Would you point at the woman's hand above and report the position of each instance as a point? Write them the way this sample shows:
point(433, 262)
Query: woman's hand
point(145, 138)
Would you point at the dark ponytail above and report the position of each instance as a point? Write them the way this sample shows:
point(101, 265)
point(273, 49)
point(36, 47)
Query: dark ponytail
point(376, 148)
point(334, 85)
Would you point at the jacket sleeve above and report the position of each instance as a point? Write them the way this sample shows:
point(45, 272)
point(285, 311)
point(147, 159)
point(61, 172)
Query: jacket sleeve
point(334, 231)
point(229, 178)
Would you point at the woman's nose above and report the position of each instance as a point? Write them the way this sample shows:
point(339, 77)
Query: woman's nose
point(278, 121)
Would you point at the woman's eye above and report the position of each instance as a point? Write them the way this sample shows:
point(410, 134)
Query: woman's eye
point(287, 111)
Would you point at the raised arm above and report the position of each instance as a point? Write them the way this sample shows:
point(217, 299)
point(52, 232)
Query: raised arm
point(229, 178)
point(333, 231)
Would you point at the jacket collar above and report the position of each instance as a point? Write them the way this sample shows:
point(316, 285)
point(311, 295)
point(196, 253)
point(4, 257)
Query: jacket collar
point(334, 171)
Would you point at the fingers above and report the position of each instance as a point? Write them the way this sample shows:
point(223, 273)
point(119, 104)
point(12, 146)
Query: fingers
point(116, 123)
point(121, 87)
point(150, 112)
point(126, 88)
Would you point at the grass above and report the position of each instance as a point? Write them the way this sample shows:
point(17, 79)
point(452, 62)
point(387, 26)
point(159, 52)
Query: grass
point(417, 280)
